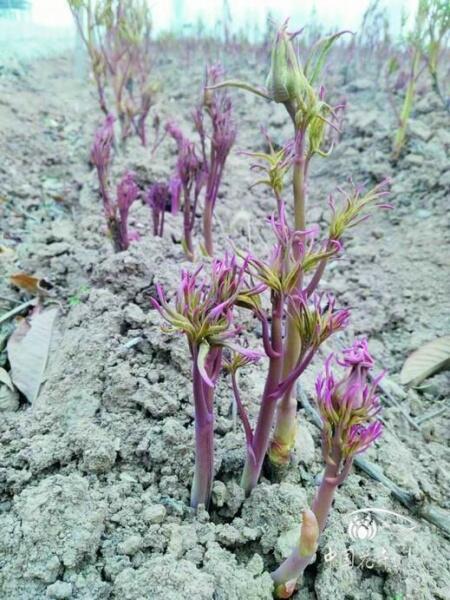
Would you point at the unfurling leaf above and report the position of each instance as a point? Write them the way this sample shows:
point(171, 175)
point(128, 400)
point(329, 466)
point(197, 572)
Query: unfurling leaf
point(28, 349)
point(431, 358)
point(318, 55)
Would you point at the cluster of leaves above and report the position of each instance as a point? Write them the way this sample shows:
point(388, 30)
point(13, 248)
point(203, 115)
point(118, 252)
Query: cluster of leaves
point(425, 44)
point(117, 35)
point(200, 166)
point(116, 207)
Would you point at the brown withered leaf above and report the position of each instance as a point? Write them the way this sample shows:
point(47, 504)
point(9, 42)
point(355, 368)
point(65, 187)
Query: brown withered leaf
point(31, 284)
point(431, 358)
point(28, 349)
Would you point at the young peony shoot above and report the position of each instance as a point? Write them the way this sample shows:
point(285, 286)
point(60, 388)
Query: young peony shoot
point(160, 198)
point(218, 107)
point(117, 37)
point(293, 83)
point(349, 408)
point(294, 256)
point(203, 311)
point(191, 175)
point(116, 209)
point(202, 165)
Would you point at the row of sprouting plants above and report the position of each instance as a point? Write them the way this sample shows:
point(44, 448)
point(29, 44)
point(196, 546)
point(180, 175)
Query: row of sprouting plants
point(118, 37)
point(280, 291)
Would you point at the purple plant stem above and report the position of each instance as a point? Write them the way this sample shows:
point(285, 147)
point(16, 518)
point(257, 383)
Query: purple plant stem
point(204, 440)
point(212, 189)
point(332, 478)
point(188, 219)
point(291, 568)
point(261, 437)
point(286, 425)
point(207, 228)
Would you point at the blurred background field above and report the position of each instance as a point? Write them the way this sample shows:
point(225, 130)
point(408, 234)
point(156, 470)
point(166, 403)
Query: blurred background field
point(30, 28)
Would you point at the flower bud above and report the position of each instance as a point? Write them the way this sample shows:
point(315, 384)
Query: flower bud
point(278, 78)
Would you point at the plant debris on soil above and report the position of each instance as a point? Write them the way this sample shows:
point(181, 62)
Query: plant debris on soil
point(95, 474)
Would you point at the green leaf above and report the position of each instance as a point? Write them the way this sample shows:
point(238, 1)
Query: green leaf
point(241, 85)
point(318, 56)
point(431, 358)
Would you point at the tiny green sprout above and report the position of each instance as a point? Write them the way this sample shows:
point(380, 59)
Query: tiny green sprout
point(76, 298)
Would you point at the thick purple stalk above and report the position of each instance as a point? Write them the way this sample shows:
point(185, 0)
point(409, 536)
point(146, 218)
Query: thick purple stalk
point(324, 498)
point(204, 440)
point(286, 418)
point(204, 425)
point(188, 223)
point(261, 437)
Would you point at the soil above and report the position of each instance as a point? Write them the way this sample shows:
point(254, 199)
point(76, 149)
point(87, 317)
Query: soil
point(95, 476)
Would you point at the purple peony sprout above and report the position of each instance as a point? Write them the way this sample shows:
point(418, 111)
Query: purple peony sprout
point(203, 311)
point(349, 408)
point(101, 159)
point(103, 141)
point(204, 165)
point(158, 198)
point(127, 193)
point(190, 177)
point(219, 108)
point(116, 210)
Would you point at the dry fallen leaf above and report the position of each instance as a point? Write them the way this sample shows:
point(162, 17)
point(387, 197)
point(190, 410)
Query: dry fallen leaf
point(29, 283)
point(28, 350)
point(431, 358)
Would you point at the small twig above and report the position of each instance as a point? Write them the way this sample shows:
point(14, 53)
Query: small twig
point(11, 300)
point(431, 414)
point(384, 386)
point(16, 310)
point(23, 212)
point(131, 343)
point(416, 505)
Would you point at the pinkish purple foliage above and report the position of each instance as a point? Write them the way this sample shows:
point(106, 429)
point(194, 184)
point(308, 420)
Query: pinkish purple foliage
point(190, 178)
point(116, 210)
point(203, 166)
point(349, 406)
point(162, 197)
point(204, 311)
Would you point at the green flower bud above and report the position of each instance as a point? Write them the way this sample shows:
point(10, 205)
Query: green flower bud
point(286, 81)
